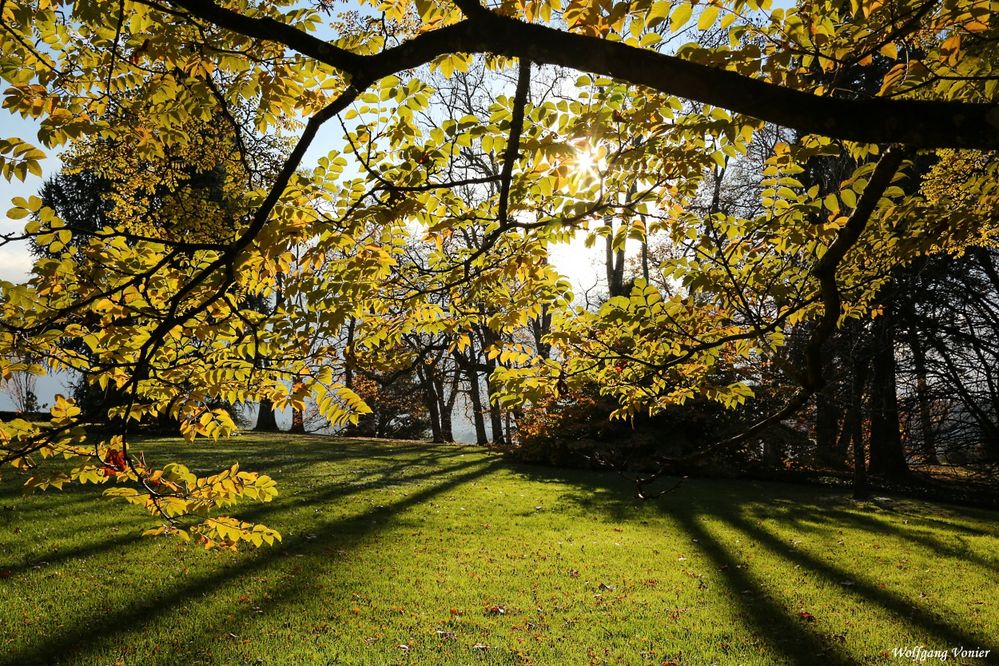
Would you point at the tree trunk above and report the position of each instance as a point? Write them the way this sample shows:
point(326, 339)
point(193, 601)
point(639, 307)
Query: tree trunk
point(424, 372)
point(887, 454)
point(773, 453)
point(827, 416)
point(856, 425)
point(645, 251)
point(929, 444)
point(443, 409)
point(348, 366)
point(381, 425)
point(297, 415)
point(495, 416)
point(540, 327)
point(449, 404)
point(614, 262)
point(475, 396)
point(266, 419)
point(297, 422)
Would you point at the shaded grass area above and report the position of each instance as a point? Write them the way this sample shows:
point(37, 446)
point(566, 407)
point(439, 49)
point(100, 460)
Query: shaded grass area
point(415, 553)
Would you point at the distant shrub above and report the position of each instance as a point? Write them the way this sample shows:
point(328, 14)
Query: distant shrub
point(575, 431)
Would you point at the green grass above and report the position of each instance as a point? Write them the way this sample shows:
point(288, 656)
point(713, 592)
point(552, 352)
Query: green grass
point(407, 544)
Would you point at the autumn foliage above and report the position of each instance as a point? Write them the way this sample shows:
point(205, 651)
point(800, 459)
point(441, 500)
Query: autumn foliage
point(237, 265)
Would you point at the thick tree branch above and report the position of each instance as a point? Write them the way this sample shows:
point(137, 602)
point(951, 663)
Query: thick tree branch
point(513, 144)
point(266, 28)
point(915, 123)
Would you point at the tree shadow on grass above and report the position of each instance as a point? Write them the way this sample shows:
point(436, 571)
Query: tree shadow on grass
point(398, 474)
point(734, 505)
point(349, 531)
point(742, 506)
point(381, 469)
point(268, 456)
point(763, 615)
point(866, 591)
point(811, 519)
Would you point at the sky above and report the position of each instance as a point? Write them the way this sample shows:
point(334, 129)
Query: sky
point(15, 260)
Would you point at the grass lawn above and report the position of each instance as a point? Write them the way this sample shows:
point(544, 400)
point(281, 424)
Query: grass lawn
point(417, 553)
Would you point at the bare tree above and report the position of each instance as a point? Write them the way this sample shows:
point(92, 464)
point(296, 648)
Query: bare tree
point(20, 386)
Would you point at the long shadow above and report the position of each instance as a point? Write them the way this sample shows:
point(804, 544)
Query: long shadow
point(864, 589)
point(832, 513)
point(64, 504)
point(12, 489)
point(814, 518)
point(597, 492)
point(340, 491)
point(389, 476)
point(612, 495)
point(833, 518)
point(73, 641)
point(76, 552)
point(765, 616)
point(435, 457)
point(785, 634)
point(728, 504)
point(317, 547)
point(301, 456)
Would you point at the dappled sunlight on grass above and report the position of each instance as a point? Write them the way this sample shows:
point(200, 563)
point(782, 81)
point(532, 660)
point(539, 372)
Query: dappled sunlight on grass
point(400, 552)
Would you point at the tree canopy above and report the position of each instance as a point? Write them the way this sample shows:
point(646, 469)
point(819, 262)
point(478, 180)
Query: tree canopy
point(470, 139)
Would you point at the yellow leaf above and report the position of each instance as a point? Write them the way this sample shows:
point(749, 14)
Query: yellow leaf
point(680, 17)
point(708, 17)
point(889, 50)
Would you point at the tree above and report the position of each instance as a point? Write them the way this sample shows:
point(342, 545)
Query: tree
point(19, 384)
point(102, 184)
point(171, 326)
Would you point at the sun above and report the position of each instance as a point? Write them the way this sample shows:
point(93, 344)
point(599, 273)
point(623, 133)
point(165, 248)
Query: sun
point(589, 161)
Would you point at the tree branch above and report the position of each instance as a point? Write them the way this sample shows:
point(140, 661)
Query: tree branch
point(915, 123)
point(513, 144)
point(825, 270)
